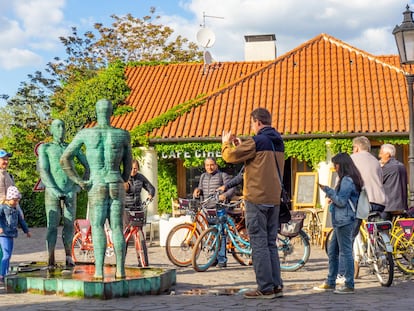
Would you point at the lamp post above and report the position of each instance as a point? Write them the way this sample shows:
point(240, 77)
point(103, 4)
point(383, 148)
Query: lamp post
point(404, 37)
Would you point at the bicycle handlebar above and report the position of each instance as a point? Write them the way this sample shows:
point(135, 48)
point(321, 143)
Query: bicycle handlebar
point(231, 204)
point(212, 196)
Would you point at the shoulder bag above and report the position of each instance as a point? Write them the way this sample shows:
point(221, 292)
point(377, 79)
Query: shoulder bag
point(363, 206)
point(285, 202)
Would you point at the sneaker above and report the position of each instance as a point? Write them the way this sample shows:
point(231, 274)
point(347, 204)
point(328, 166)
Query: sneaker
point(257, 294)
point(344, 290)
point(340, 279)
point(278, 292)
point(324, 288)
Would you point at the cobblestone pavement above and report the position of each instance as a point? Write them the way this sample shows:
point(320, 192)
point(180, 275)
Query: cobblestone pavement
point(218, 289)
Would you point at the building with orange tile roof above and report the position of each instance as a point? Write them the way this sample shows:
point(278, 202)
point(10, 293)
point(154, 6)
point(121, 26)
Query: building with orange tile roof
point(324, 88)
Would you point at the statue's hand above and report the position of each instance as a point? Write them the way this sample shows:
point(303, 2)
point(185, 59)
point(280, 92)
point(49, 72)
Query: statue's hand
point(58, 194)
point(85, 184)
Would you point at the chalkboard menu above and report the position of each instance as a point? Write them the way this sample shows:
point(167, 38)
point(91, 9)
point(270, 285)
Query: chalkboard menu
point(306, 187)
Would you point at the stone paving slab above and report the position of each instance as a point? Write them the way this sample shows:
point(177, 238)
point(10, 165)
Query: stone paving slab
point(220, 289)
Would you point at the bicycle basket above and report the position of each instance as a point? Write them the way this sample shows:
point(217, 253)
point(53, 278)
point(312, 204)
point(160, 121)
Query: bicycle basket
point(407, 225)
point(137, 218)
point(211, 215)
point(189, 205)
point(293, 227)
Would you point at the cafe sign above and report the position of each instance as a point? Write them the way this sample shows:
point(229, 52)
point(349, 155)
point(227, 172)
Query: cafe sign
point(189, 154)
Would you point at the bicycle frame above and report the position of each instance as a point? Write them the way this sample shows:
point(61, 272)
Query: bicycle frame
point(182, 237)
point(235, 238)
point(373, 247)
point(208, 244)
point(367, 236)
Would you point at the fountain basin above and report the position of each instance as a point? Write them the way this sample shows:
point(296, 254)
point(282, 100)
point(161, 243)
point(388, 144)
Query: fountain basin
point(36, 278)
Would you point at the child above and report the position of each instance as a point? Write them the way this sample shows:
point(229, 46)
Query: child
point(9, 219)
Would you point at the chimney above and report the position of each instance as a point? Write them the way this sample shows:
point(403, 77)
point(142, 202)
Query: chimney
point(260, 47)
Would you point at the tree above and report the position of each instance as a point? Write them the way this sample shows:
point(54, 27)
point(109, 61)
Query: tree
point(78, 98)
point(68, 89)
point(135, 39)
point(5, 116)
point(95, 64)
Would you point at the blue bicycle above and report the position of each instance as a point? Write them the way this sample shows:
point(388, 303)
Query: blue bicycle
point(294, 251)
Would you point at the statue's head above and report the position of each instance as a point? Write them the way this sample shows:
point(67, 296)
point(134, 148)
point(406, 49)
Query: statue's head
point(57, 128)
point(103, 110)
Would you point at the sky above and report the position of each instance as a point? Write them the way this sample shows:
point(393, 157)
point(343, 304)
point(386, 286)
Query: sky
point(30, 29)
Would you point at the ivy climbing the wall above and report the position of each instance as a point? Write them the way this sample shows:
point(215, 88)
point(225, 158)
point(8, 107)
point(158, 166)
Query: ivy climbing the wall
point(167, 185)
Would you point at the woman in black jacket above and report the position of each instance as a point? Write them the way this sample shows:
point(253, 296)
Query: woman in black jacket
point(133, 189)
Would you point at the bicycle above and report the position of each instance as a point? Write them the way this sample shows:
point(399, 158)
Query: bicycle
point(293, 251)
point(181, 239)
point(314, 226)
point(82, 246)
point(403, 244)
point(372, 248)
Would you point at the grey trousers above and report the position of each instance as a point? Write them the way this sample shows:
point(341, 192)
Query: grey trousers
point(262, 223)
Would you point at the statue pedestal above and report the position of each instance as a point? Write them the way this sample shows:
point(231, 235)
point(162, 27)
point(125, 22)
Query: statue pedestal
point(79, 282)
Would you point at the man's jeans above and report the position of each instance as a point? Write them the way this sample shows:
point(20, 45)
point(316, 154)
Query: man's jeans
point(375, 208)
point(222, 253)
point(262, 223)
point(341, 247)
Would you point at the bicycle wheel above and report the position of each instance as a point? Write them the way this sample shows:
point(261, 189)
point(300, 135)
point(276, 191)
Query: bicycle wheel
point(82, 252)
point(179, 244)
point(294, 252)
point(404, 254)
point(383, 263)
point(245, 259)
point(141, 248)
point(206, 249)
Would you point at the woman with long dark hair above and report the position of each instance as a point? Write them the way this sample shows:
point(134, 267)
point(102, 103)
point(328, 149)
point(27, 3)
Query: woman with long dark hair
point(343, 218)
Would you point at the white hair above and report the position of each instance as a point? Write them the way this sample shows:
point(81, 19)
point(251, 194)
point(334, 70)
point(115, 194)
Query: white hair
point(388, 148)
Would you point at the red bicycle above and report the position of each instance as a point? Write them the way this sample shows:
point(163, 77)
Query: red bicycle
point(82, 246)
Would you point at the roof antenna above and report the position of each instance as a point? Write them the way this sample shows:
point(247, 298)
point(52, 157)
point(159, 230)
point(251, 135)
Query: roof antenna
point(206, 38)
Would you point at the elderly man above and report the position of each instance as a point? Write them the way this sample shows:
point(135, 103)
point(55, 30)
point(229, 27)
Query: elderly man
point(395, 182)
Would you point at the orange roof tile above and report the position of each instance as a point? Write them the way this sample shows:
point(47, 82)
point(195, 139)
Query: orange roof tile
point(322, 86)
point(155, 89)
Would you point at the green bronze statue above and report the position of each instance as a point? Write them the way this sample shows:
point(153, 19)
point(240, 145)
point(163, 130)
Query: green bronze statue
point(107, 150)
point(60, 192)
